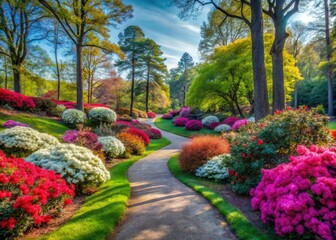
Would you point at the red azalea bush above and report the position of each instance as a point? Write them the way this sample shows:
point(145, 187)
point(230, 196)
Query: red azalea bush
point(194, 125)
point(66, 104)
point(29, 196)
point(200, 150)
point(180, 121)
point(151, 115)
point(230, 121)
point(212, 126)
point(154, 133)
point(16, 100)
point(167, 116)
point(71, 105)
point(140, 133)
point(300, 197)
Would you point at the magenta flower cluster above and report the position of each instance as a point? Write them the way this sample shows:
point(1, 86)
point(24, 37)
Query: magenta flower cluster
point(230, 120)
point(194, 125)
point(300, 197)
point(12, 123)
point(185, 112)
point(181, 121)
point(238, 124)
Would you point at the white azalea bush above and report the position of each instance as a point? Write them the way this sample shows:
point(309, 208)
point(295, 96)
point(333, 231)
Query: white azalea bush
point(102, 115)
point(112, 146)
point(215, 168)
point(209, 119)
point(58, 110)
point(73, 117)
point(77, 165)
point(222, 128)
point(22, 141)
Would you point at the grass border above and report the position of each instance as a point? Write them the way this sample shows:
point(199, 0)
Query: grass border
point(238, 222)
point(102, 211)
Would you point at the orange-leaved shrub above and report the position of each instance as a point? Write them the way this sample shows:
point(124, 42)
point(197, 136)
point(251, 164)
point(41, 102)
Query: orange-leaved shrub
point(201, 149)
point(133, 143)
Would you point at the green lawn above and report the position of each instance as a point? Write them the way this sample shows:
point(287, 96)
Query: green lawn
point(102, 211)
point(168, 126)
point(332, 125)
point(41, 124)
point(238, 222)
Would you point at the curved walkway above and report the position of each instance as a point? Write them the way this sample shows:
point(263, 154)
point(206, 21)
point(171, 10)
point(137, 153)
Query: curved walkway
point(161, 207)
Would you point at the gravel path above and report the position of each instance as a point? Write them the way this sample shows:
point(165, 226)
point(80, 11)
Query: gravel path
point(161, 207)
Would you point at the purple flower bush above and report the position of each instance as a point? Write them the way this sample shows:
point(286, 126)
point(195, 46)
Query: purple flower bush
point(300, 197)
point(194, 125)
point(230, 120)
point(238, 124)
point(12, 123)
point(185, 112)
point(181, 121)
point(167, 116)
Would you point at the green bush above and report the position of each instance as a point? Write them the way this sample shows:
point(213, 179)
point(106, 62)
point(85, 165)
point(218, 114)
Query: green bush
point(271, 142)
point(44, 105)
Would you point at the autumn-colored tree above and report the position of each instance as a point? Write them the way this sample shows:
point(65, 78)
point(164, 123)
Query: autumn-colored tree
point(79, 19)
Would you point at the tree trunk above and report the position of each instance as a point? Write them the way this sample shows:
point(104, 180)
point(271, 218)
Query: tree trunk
point(6, 74)
point(329, 73)
point(147, 89)
point(132, 87)
point(57, 73)
point(258, 61)
point(278, 81)
point(17, 78)
point(79, 78)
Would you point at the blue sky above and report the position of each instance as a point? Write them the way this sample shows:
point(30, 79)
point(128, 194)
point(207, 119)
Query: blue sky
point(160, 22)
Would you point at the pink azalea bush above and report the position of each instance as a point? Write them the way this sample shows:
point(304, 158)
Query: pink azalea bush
point(185, 112)
point(181, 121)
point(230, 121)
point(194, 125)
point(174, 113)
point(167, 116)
point(240, 123)
point(300, 197)
point(12, 123)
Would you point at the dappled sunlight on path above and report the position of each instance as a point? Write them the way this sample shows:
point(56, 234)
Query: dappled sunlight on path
point(161, 207)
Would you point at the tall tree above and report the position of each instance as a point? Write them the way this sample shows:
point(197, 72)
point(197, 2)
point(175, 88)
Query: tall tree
point(17, 19)
point(185, 66)
point(236, 9)
point(131, 42)
point(329, 70)
point(154, 65)
point(79, 18)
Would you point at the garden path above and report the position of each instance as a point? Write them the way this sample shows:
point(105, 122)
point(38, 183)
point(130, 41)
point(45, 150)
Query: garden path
point(161, 207)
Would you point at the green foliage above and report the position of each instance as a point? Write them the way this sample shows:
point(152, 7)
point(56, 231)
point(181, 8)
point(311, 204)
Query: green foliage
point(271, 142)
point(225, 81)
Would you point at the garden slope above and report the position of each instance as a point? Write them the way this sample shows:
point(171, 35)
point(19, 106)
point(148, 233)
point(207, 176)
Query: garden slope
point(161, 207)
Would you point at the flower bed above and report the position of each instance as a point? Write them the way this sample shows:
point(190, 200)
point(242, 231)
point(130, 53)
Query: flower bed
point(29, 196)
point(12, 123)
point(194, 125)
point(300, 197)
point(16, 100)
point(180, 121)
